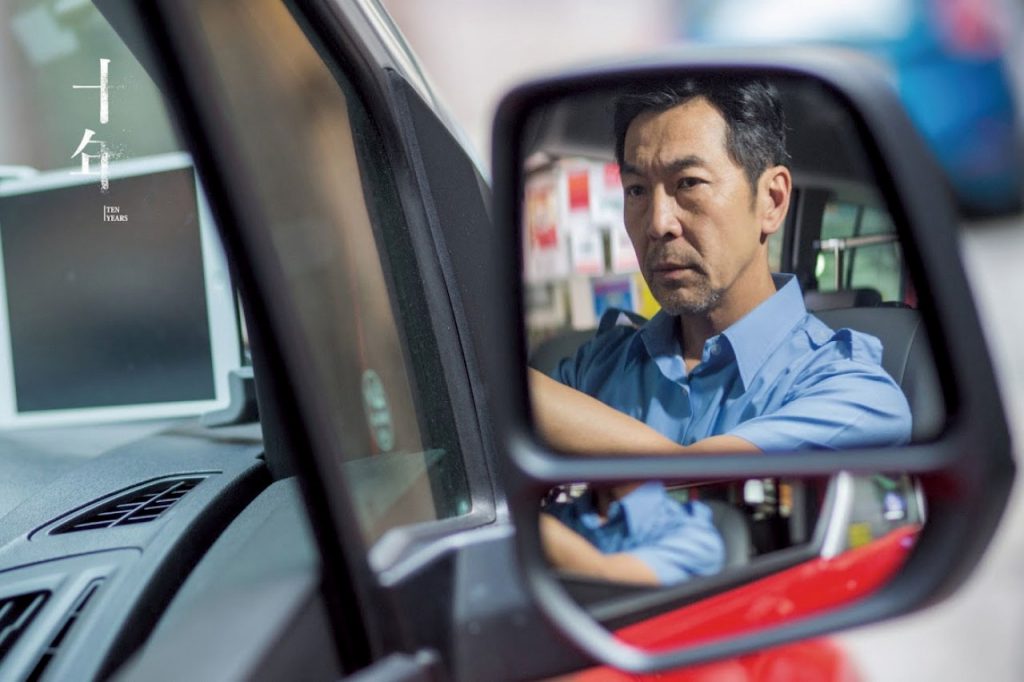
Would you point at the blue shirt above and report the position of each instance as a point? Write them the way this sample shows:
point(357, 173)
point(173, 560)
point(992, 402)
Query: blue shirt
point(778, 378)
point(675, 540)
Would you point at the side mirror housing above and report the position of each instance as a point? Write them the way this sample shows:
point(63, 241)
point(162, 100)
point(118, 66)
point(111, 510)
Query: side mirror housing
point(962, 466)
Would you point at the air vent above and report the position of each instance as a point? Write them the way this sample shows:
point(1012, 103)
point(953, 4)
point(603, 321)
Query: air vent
point(139, 506)
point(69, 621)
point(15, 615)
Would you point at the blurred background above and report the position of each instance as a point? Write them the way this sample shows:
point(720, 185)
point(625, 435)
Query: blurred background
point(958, 66)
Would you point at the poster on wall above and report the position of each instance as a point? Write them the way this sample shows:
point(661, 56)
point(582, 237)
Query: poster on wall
point(623, 256)
point(587, 251)
point(586, 243)
point(613, 293)
point(545, 249)
point(577, 184)
point(609, 202)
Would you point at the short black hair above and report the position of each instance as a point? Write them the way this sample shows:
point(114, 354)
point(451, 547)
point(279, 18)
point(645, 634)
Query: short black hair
point(755, 122)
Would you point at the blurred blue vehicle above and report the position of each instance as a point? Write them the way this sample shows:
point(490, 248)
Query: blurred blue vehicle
point(949, 60)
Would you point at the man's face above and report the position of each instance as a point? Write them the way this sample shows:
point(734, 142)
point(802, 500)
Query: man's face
point(689, 208)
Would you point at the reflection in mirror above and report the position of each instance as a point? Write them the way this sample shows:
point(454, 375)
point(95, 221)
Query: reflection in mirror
point(710, 266)
point(747, 553)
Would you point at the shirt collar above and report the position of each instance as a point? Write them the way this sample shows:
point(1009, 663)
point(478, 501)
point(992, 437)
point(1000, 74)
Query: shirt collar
point(757, 334)
point(752, 338)
point(659, 337)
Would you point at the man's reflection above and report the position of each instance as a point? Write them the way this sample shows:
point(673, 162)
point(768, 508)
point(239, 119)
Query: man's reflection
point(632, 534)
point(733, 362)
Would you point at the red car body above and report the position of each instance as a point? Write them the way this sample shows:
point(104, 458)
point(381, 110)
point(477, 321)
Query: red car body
point(803, 590)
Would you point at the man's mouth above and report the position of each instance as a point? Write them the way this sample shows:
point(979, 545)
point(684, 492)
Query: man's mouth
point(675, 267)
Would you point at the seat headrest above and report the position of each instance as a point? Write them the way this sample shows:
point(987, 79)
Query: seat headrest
point(844, 298)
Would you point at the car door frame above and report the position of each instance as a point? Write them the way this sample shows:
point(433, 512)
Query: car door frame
point(363, 609)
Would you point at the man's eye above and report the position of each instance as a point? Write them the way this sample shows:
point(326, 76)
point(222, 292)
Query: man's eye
point(690, 182)
point(634, 191)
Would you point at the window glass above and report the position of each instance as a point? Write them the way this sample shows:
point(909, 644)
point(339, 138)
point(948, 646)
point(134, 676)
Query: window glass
point(46, 49)
point(874, 263)
point(116, 309)
point(115, 300)
point(328, 201)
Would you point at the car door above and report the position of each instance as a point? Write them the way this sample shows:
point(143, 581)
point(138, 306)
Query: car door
point(358, 229)
point(359, 236)
point(361, 241)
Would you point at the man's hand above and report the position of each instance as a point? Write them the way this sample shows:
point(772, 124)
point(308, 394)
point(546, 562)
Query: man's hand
point(575, 423)
point(570, 551)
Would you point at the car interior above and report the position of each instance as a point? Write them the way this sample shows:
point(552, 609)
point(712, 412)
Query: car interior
point(127, 543)
point(123, 514)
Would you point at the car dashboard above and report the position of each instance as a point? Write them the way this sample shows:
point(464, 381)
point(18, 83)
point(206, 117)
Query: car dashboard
point(139, 540)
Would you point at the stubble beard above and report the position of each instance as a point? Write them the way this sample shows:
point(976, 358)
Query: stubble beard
point(695, 300)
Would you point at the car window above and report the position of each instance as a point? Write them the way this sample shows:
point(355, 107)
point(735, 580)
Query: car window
point(859, 249)
point(47, 49)
point(311, 151)
point(116, 308)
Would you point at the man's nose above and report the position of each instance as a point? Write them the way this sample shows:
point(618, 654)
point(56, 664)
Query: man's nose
point(664, 217)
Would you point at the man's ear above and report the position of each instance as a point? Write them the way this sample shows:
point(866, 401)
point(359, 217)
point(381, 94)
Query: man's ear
point(775, 187)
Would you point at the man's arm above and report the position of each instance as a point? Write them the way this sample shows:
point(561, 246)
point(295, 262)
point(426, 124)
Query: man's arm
point(568, 550)
point(575, 423)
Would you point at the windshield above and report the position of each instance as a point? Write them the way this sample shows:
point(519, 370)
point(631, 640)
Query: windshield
point(117, 313)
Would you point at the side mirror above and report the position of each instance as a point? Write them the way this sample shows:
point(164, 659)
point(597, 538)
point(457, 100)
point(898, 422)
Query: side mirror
point(949, 470)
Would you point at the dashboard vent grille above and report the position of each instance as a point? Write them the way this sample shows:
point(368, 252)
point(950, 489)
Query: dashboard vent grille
point(15, 615)
point(69, 621)
point(139, 506)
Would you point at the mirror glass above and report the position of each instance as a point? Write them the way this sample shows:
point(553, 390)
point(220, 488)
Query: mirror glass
point(710, 266)
point(699, 559)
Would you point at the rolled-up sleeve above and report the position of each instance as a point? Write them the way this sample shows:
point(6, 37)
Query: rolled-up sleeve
point(839, 405)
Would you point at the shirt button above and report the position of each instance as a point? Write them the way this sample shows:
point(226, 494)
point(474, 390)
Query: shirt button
point(714, 349)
